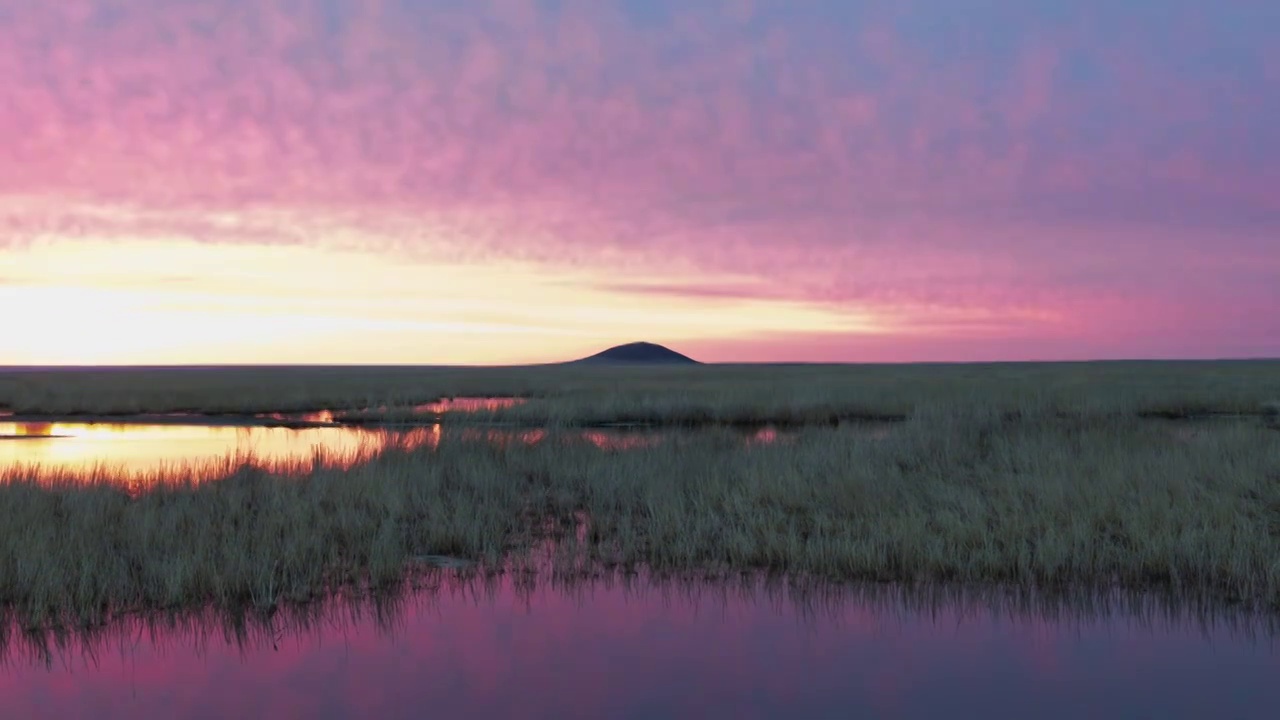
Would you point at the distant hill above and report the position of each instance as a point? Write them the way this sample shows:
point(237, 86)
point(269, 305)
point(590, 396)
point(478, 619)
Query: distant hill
point(639, 353)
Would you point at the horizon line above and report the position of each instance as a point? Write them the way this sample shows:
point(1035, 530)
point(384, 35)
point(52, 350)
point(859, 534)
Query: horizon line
point(214, 366)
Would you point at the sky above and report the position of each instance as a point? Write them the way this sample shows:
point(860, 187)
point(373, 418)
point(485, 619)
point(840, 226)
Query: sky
point(521, 181)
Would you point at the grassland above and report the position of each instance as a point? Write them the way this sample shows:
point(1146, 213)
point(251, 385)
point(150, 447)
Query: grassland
point(1054, 481)
point(684, 395)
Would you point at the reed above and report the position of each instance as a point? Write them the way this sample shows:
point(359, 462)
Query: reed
point(956, 494)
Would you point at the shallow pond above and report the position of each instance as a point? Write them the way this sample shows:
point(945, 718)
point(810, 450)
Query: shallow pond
point(156, 442)
point(606, 650)
point(140, 447)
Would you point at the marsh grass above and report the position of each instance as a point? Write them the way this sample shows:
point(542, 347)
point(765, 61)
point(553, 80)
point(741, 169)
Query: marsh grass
point(970, 494)
point(686, 395)
point(1271, 411)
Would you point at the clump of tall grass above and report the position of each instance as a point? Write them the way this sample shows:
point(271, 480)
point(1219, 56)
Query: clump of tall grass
point(1271, 410)
point(78, 549)
point(973, 494)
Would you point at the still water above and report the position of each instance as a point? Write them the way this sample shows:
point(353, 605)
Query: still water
point(131, 447)
point(143, 448)
point(607, 650)
point(193, 440)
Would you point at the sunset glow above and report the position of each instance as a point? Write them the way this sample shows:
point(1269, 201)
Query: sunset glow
point(122, 452)
point(520, 181)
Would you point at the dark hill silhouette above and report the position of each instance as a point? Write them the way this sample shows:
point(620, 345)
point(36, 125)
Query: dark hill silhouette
point(637, 353)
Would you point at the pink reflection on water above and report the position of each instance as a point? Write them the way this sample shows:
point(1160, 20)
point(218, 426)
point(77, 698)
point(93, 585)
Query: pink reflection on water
point(612, 439)
point(468, 404)
point(621, 440)
point(613, 650)
point(603, 439)
point(443, 405)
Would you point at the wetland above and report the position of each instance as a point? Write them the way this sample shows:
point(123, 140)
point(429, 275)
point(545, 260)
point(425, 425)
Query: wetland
point(132, 495)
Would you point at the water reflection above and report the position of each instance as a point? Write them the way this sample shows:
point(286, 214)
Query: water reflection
point(423, 411)
point(468, 404)
point(605, 439)
point(611, 648)
point(316, 416)
point(33, 430)
point(614, 440)
point(145, 448)
point(504, 437)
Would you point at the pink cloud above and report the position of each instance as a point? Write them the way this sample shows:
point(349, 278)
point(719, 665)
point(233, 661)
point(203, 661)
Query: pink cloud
point(739, 137)
point(261, 106)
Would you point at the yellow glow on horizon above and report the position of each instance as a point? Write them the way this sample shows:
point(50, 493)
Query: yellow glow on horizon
point(110, 301)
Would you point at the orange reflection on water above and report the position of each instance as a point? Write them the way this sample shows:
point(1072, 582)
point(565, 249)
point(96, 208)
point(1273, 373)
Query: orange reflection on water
point(318, 416)
point(79, 448)
point(33, 430)
point(125, 450)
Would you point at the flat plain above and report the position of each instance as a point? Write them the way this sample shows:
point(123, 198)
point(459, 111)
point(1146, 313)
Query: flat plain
point(1070, 476)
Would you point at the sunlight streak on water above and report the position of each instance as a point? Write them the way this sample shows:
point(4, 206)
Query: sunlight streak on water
point(133, 448)
point(78, 447)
